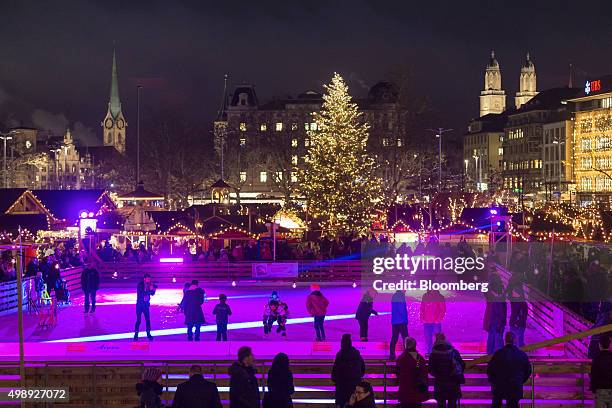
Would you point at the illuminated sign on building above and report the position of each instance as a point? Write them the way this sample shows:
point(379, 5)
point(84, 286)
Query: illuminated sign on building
point(592, 86)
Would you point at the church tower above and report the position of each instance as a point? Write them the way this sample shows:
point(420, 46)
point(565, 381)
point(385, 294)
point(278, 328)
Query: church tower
point(114, 124)
point(493, 97)
point(527, 83)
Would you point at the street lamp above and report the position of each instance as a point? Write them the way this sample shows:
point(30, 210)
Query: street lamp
point(557, 141)
point(5, 137)
point(465, 173)
point(478, 173)
point(439, 132)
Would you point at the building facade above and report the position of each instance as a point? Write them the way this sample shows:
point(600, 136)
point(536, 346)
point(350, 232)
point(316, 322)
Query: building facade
point(530, 134)
point(265, 143)
point(592, 141)
point(482, 152)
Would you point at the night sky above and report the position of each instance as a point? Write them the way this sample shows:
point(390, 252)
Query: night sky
point(56, 55)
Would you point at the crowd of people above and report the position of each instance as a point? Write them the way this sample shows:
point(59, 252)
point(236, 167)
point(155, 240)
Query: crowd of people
point(508, 369)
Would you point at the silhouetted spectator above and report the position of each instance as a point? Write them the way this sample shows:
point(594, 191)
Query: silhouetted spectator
point(601, 374)
point(446, 366)
point(280, 384)
point(518, 312)
point(412, 376)
point(348, 370)
point(196, 392)
point(244, 389)
point(494, 322)
point(507, 371)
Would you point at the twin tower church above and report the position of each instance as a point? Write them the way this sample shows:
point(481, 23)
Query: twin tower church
point(493, 97)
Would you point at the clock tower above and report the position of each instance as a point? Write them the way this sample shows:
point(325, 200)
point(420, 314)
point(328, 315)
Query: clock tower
point(492, 97)
point(114, 124)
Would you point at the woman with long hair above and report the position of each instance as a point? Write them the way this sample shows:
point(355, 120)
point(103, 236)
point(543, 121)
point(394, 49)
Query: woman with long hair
point(280, 384)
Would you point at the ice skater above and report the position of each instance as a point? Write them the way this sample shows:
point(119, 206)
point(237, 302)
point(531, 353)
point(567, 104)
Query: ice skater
point(145, 289)
point(222, 311)
point(399, 320)
point(316, 305)
point(276, 311)
point(364, 311)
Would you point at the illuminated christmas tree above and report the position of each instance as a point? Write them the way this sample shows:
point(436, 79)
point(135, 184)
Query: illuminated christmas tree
point(338, 177)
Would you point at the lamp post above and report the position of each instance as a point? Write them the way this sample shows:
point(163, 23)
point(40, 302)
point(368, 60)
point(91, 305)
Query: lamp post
point(477, 173)
point(138, 88)
point(5, 137)
point(465, 173)
point(439, 132)
point(557, 141)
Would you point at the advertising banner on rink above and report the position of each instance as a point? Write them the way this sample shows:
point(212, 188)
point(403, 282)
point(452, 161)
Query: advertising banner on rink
point(278, 270)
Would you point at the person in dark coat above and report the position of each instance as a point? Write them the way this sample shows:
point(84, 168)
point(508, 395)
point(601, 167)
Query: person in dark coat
point(90, 283)
point(192, 308)
point(412, 376)
point(507, 371)
point(494, 322)
point(601, 373)
point(33, 268)
point(446, 366)
point(149, 389)
point(364, 310)
point(280, 384)
point(348, 370)
point(518, 312)
point(144, 291)
point(399, 320)
point(244, 389)
point(196, 392)
point(362, 396)
point(53, 277)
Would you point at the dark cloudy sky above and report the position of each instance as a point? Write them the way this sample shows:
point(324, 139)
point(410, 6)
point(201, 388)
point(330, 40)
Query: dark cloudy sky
point(55, 56)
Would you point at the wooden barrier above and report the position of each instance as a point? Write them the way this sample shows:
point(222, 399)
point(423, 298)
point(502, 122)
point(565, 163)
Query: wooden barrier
point(8, 290)
point(553, 319)
point(331, 270)
point(554, 383)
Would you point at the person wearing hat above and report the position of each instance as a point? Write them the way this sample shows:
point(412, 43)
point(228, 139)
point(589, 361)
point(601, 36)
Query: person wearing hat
point(316, 305)
point(149, 388)
point(412, 376)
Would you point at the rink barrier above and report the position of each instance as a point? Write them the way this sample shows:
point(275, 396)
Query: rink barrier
point(8, 290)
point(554, 383)
point(552, 319)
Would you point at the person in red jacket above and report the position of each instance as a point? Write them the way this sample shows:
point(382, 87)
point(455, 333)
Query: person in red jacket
point(412, 376)
point(316, 305)
point(433, 310)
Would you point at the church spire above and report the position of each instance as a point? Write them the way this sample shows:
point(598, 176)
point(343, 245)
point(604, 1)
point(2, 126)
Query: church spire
point(222, 114)
point(114, 103)
point(527, 83)
point(492, 97)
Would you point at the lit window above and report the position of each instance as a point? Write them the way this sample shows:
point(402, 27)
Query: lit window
point(263, 127)
point(606, 102)
point(399, 142)
point(307, 126)
point(294, 160)
point(385, 142)
point(294, 143)
point(279, 175)
point(294, 177)
point(294, 126)
point(263, 176)
point(500, 151)
point(242, 176)
point(243, 126)
point(279, 126)
point(313, 125)
point(242, 142)
point(306, 142)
